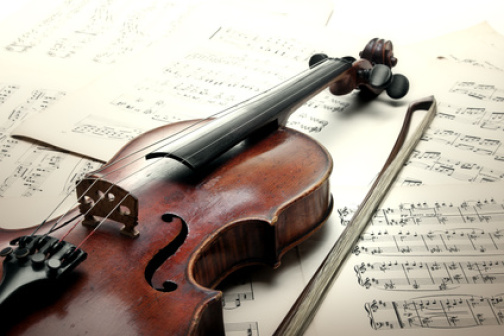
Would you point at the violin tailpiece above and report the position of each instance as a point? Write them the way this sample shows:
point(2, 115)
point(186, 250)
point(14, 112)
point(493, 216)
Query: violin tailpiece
point(35, 260)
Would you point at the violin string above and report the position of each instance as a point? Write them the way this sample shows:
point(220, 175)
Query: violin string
point(102, 221)
point(253, 118)
point(104, 195)
point(65, 223)
point(201, 121)
point(162, 142)
point(111, 163)
point(42, 224)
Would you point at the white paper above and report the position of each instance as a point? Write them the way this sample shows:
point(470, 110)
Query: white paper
point(34, 178)
point(448, 191)
point(234, 64)
point(154, 89)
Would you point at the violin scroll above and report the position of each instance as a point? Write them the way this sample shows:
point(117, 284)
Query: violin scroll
point(379, 51)
point(372, 73)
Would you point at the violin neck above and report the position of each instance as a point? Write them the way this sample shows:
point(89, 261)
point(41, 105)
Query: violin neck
point(199, 145)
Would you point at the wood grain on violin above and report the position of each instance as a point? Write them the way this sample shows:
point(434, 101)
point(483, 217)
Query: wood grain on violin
point(212, 196)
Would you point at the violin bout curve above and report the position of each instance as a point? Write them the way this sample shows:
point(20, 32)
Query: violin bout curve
point(198, 227)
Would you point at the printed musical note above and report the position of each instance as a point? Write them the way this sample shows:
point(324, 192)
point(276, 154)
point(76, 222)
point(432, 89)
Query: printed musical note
point(458, 149)
point(79, 170)
point(35, 167)
point(483, 117)
point(209, 79)
point(468, 170)
point(98, 127)
point(468, 142)
point(457, 242)
point(428, 276)
point(30, 170)
point(285, 47)
point(38, 101)
point(48, 25)
point(237, 292)
point(479, 91)
point(101, 31)
point(467, 115)
point(144, 25)
point(447, 246)
point(436, 213)
point(6, 90)
point(242, 329)
point(26, 166)
point(437, 312)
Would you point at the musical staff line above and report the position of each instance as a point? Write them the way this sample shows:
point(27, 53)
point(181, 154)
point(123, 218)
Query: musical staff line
point(240, 291)
point(454, 242)
point(438, 213)
point(463, 170)
point(428, 276)
point(465, 141)
point(436, 312)
point(97, 126)
point(242, 328)
point(6, 91)
point(479, 91)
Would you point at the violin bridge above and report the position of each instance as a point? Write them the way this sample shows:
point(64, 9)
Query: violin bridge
point(100, 198)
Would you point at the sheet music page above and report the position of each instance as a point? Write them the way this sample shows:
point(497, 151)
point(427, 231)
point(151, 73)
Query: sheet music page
point(80, 39)
point(464, 142)
point(34, 178)
point(51, 49)
point(237, 62)
point(439, 272)
point(429, 262)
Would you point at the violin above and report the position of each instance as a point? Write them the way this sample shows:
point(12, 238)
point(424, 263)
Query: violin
point(178, 209)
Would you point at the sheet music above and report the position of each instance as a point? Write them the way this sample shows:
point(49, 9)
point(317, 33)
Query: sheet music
point(193, 85)
point(205, 81)
point(34, 178)
point(233, 65)
point(67, 39)
point(424, 247)
point(464, 142)
point(430, 259)
point(50, 49)
point(111, 112)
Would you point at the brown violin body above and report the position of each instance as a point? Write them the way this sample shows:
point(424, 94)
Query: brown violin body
point(196, 201)
point(250, 206)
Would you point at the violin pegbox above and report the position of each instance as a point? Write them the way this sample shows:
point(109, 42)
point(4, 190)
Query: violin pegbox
point(380, 54)
point(35, 260)
point(372, 73)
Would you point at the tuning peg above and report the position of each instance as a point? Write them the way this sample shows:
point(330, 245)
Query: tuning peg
point(380, 77)
point(372, 73)
point(398, 87)
point(316, 59)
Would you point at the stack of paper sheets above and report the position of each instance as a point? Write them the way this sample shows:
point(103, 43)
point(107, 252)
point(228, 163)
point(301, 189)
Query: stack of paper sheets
point(85, 77)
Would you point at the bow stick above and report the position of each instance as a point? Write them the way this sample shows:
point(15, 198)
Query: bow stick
point(302, 312)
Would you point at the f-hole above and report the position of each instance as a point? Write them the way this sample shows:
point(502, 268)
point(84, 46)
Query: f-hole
point(165, 253)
